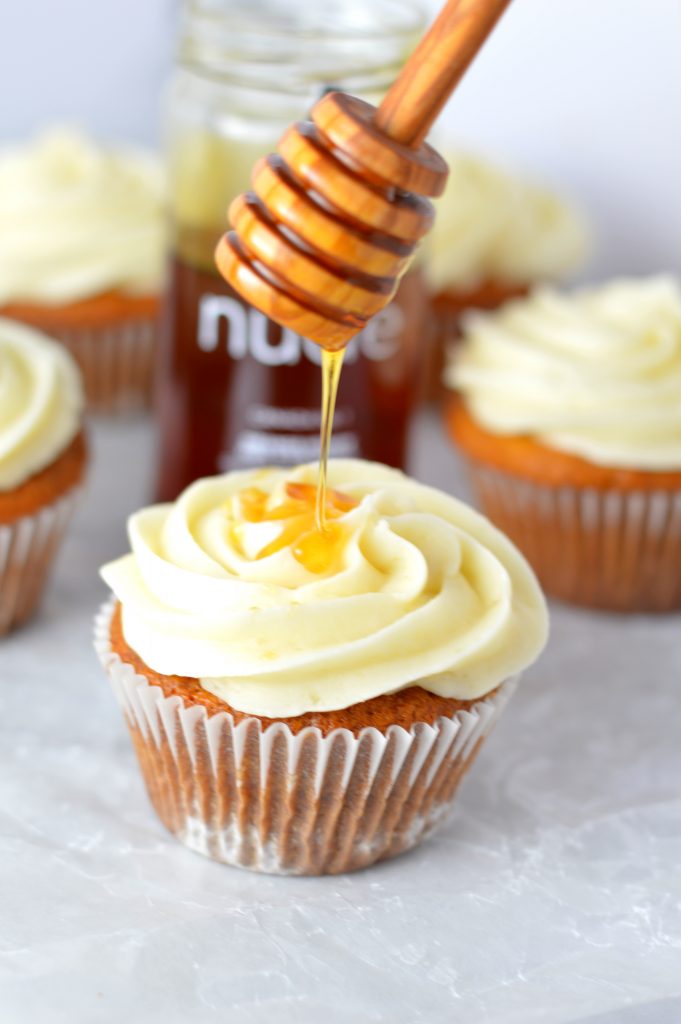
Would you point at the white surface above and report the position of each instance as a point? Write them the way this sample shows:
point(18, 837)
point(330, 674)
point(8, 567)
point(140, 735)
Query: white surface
point(552, 895)
point(579, 93)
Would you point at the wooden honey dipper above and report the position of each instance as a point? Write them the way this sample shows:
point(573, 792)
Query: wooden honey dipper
point(335, 216)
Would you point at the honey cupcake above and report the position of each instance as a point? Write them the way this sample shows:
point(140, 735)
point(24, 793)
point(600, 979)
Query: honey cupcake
point(81, 258)
point(42, 462)
point(303, 707)
point(569, 415)
point(495, 236)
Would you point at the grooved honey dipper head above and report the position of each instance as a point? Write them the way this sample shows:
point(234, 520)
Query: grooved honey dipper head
point(331, 223)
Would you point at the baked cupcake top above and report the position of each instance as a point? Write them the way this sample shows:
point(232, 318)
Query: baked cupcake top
point(492, 226)
point(77, 220)
point(230, 585)
point(595, 373)
point(41, 402)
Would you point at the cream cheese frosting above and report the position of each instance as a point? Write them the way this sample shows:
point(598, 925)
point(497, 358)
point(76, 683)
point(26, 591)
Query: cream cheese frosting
point(492, 226)
point(596, 373)
point(77, 220)
point(41, 402)
point(423, 589)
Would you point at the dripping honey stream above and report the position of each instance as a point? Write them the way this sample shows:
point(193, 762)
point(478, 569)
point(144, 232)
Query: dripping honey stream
point(309, 515)
point(332, 363)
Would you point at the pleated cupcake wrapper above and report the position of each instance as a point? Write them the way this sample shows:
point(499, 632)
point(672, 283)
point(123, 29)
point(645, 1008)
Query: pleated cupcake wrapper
point(116, 361)
point(285, 803)
point(617, 550)
point(27, 549)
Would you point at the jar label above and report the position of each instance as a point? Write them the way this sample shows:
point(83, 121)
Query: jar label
point(236, 390)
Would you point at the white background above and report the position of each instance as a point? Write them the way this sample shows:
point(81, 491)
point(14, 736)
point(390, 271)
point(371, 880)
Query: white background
point(584, 94)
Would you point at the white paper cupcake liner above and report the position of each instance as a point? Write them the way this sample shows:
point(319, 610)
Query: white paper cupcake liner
point(27, 549)
point(610, 549)
point(117, 363)
point(285, 803)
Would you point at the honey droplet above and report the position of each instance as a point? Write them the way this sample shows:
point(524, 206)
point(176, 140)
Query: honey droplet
point(318, 551)
point(336, 502)
point(315, 549)
point(252, 504)
point(287, 538)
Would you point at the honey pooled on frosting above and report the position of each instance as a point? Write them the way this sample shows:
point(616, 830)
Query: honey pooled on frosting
point(316, 549)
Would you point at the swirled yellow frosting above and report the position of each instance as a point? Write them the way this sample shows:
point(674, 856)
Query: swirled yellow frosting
point(596, 373)
point(41, 402)
point(231, 585)
point(77, 220)
point(493, 226)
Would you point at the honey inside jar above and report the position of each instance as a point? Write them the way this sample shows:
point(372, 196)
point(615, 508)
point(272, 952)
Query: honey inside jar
point(317, 550)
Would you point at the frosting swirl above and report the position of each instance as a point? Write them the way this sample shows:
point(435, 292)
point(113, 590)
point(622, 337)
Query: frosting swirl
point(596, 373)
point(77, 220)
point(422, 589)
point(41, 402)
point(491, 226)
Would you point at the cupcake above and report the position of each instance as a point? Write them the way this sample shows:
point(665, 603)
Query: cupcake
point(81, 258)
point(309, 705)
point(569, 415)
point(42, 462)
point(494, 237)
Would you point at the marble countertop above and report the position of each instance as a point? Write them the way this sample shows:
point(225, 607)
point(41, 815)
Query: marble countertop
point(552, 895)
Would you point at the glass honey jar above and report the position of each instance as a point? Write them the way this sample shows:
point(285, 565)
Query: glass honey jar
point(234, 389)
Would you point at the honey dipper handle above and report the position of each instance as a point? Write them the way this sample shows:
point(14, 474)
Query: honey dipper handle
point(435, 67)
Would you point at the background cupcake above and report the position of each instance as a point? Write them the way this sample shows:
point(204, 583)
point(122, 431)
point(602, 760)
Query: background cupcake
point(81, 257)
point(42, 462)
point(570, 418)
point(307, 716)
point(495, 236)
